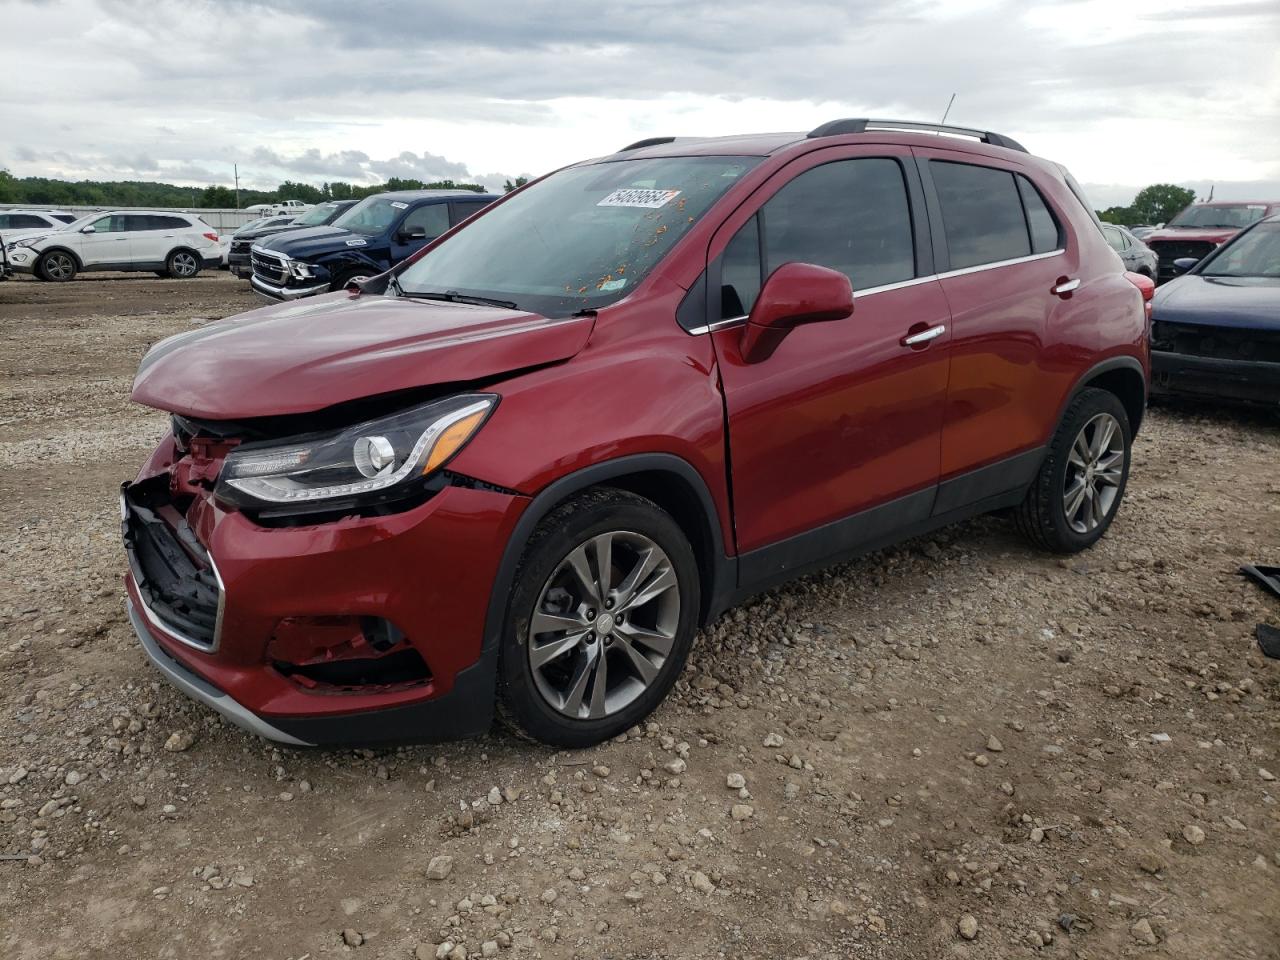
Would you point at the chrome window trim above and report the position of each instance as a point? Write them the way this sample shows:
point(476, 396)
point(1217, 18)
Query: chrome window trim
point(902, 284)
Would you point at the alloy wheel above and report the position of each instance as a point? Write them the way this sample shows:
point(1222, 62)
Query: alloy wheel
point(59, 266)
point(1095, 468)
point(604, 625)
point(184, 265)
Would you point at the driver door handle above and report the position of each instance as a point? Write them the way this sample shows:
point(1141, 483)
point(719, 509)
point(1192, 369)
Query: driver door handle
point(1066, 286)
point(924, 336)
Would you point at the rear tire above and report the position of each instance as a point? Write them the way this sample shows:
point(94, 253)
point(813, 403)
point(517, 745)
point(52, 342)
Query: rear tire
point(610, 652)
point(1078, 490)
point(182, 265)
point(57, 266)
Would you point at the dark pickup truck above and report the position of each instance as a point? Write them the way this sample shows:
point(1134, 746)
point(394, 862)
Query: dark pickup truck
point(242, 240)
point(371, 237)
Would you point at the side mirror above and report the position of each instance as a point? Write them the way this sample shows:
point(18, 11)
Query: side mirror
point(89, 229)
point(413, 233)
point(1183, 264)
point(794, 294)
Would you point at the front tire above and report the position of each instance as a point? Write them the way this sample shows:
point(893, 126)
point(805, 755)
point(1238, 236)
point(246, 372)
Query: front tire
point(358, 275)
point(57, 266)
point(182, 265)
point(600, 621)
point(1080, 485)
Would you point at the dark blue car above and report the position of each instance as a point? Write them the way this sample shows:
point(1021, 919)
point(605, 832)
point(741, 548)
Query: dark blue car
point(1216, 329)
point(370, 238)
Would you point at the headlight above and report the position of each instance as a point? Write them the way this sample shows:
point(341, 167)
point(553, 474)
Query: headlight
point(377, 460)
point(28, 242)
point(298, 269)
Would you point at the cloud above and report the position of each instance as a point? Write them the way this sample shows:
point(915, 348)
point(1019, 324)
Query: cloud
point(319, 89)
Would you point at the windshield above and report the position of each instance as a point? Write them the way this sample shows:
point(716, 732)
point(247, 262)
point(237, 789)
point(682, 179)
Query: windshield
point(371, 216)
point(580, 239)
point(317, 215)
point(1234, 216)
point(1253, 254)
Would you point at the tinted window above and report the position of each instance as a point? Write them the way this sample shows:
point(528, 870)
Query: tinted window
point(64, 217)
point(1046, 233)
point(851, 216)
point(465, 208)
point(740, 272)
point(433, 218)
point(21, 221)
point(981, 213)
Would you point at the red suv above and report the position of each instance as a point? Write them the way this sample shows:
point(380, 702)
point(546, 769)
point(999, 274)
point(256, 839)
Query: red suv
point(518, 471)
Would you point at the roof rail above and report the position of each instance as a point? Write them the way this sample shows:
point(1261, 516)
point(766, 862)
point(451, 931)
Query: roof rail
point(835, 128)
point(651, 142)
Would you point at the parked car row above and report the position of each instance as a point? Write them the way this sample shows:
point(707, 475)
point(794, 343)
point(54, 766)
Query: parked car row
point(357, 242)
point(514, 473)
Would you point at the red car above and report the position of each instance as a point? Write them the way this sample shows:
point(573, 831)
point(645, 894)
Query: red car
point(517, 472)
point(1200, 229)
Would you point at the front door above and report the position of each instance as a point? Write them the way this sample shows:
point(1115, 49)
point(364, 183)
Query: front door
point(109, 245)
point(834, 439)
point(431, 218)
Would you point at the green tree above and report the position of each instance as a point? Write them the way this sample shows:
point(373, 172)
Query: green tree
point(218, 197)
point(515, 184)
point(1160, 202)
point(8, 187)
point(1125, 216)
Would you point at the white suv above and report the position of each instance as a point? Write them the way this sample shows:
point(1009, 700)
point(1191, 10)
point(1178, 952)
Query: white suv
point(177, 245)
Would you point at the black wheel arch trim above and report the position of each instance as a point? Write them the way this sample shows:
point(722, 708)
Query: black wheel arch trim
point(716, 594)
point(1123, 362)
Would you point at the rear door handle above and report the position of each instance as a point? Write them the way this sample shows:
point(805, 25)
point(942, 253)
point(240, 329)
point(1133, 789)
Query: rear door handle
point(924, 336)
point(1066, 286)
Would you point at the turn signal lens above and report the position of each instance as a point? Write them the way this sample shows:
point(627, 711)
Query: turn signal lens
point(453, 438)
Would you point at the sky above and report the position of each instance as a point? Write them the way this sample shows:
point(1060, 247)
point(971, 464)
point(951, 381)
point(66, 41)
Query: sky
point(1125, 94)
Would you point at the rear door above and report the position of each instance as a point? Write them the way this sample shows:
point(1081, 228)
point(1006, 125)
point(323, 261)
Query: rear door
point(1003, 255)
point(110, 245)
point(152, 238)
point(461, 209)
point(845, 416)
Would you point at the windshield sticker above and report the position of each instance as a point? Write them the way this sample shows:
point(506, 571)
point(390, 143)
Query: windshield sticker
point(399, 204)
point(633, 197)
point(356, 243)
point(610, 285)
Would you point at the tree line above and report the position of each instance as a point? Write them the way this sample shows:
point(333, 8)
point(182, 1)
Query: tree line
point(1158, 203)
point(44, 192)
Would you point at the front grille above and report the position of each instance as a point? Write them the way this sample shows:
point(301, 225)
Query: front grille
point(269, 267)
point(1218, 343)
point(1170, 250)
point(241, 246)
point(173, 571)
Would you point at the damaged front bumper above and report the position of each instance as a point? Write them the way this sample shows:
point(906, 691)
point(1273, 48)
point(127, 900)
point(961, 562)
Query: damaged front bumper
point(1241, 381)
point(282, 636)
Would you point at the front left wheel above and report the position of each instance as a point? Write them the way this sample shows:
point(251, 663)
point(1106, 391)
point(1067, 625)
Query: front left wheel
point(600, 621)
point(56, 266)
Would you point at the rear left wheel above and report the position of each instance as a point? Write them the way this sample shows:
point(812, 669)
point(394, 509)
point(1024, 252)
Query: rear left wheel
point(182, 265)
point(600, 621)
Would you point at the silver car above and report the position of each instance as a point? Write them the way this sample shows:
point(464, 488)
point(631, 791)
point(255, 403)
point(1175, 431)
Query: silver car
point(1137, 256)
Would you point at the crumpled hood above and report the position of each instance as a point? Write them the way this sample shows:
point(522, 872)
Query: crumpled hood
point(1248, 302)
point(1214, 235)
point(299, 357)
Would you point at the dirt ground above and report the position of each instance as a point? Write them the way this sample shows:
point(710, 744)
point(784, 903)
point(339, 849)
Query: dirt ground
point(956, 748)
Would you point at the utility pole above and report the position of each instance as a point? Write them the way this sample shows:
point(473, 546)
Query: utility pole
point(236, 168)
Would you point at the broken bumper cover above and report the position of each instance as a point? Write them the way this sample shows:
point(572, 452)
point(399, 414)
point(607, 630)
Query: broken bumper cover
point(200, 689)
point(427, 570)
point(1247, 381)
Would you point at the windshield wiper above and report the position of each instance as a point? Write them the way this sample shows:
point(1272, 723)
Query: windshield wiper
point(453, 296)
point(394, 283)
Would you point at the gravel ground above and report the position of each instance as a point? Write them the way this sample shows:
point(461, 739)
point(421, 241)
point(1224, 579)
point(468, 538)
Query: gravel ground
point(956, 748)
